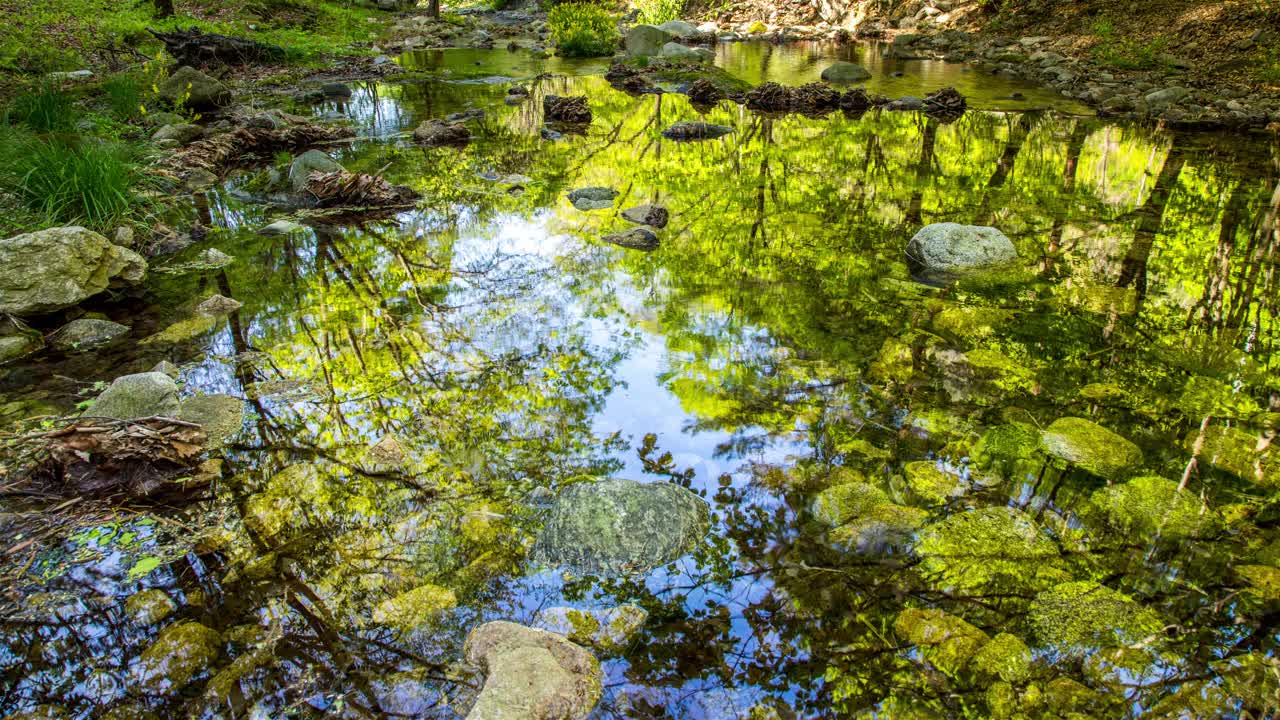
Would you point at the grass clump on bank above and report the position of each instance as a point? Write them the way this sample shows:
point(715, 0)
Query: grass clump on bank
point(582, 30)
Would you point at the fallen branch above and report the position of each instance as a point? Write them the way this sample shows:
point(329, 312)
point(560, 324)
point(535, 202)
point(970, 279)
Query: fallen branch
point(193, 47)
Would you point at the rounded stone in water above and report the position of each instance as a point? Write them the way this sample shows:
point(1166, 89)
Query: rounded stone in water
point(952, 248)
point(612, 527)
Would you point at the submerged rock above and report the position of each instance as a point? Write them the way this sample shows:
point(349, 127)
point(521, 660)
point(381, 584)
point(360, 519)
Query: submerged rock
point(188, 87)
point(13, 347)
point(137, 396)
point(415, 608)
point(1090, 446)
point(931, 483)
point(220, 416)
point(634, 239)
point(605, 630)
point(646, 40)
point(945, 249)
point(593, 198)
point(651, 215)
point(438, 133)
point(149, 607)
point(676, 51)
point(181, 652)
point(845, 72)
point(695, 131)
point(58, 268)
point(309, 162)
point(87, 334)
point(531, 674)
point(621, 526)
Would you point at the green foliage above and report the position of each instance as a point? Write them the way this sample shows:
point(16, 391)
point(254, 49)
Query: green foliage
point(1126, 53)
point(581, 30)
point(656, 12)
point(129, 94)
point(46, 109)
point(68, 179)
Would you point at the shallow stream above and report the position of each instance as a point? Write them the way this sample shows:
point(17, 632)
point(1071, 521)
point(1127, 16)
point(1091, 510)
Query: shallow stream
point(890, 537)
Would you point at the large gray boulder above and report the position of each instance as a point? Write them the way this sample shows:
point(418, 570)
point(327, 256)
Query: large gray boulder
point(592, 198)
point(531, 674)
point(58, 268)
point(845, 72)
point(944, 249)
point(646, 40)
point(188, 87)
point(613, 527)
point(678, 28)
point(311, 161)
point(138, 396)
point(86, 334)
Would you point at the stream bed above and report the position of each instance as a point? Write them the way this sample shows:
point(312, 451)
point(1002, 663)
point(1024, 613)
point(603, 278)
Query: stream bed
point(1046, 493)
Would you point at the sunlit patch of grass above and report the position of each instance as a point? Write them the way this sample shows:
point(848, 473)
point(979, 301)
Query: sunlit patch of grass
point(68, 179)
point(45, 109)
point(1114, 51)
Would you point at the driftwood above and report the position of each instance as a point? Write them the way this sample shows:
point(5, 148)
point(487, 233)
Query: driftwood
point(246, 144)
point(357, 190)
point(193, 47)
point(946, 104)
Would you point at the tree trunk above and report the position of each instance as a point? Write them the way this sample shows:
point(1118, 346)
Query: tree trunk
point(433, 10)
point(164, 8)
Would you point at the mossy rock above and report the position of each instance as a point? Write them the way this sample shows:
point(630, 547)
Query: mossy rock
point(839, 504)
point(179, 654)
point(1147, 507)
point(881, 527)
point(1091, 447)
point(931, 483)
point(970, 323)
point(1078, 617)
point(1008, 449)
point(1006, 657)
point(149, 607)
point(220, 416)
point(990, 548)
point(944, 640)
point(1064, 695)
point(895, 361)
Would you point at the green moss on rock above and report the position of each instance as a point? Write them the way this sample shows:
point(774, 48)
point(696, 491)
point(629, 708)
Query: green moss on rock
point(931, 483)
point(1076, 617)
point(1148, 506)
point(179, 654)
point(944, 640)
point(1090, 446)
point(1006, 657)
point(990, 546)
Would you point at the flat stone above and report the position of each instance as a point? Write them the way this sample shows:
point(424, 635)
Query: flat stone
point(216, 305)
point(676, 51)
point(181, 133)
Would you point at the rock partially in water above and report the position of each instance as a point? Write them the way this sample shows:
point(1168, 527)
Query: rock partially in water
point(149, 607)
point(948, 249)
point(87, 334)
point(531, 674)
point(335, 90)
point(571, 110)
point(621, 526)
point(188, 87)
point(845, 72)
point(705, 92)
point(646, 40)
point(60, 267)
point(220, 416)
point(438, 133)
point(1090, 446)
point(281, 227)
point(593, 198)
point(181, 653)
point(609, 630)
point(634, 239)
point(308, 163)
point(651, 215)
point(676, 51)
point(138, 396)
point(687, 130)
point(216, 305)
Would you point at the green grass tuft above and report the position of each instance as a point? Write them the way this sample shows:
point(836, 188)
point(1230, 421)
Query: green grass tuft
point(582, 30)
point(46, 109)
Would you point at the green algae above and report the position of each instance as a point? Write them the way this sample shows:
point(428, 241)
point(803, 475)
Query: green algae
point(1148, 507)
point(1076, 617)
point(1090, 446)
